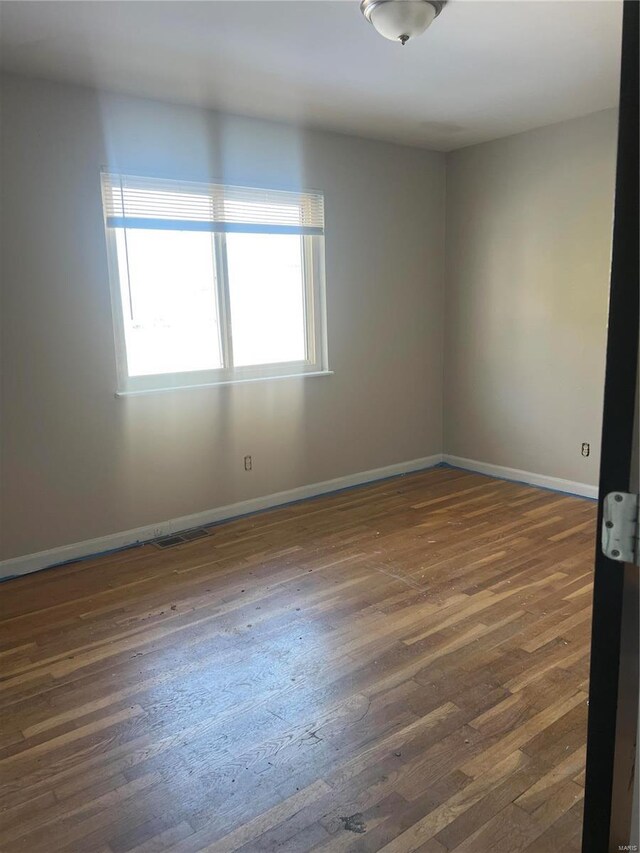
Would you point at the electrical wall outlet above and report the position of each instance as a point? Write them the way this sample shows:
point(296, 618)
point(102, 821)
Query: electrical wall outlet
point(248, 463)
point(586, 448)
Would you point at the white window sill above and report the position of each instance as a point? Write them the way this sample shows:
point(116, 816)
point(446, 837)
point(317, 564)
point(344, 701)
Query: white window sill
point(145, 391)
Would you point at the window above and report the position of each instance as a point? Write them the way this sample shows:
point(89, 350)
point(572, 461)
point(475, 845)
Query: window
point(213, 283)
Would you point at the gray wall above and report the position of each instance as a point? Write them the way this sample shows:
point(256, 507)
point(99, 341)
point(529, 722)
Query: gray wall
point(528, 237)
point(78, 463)
point(529, 223)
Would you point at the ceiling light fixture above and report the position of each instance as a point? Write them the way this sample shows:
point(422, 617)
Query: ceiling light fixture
point(401, 20)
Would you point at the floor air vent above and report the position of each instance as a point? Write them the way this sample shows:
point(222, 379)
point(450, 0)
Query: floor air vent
point(181, 538)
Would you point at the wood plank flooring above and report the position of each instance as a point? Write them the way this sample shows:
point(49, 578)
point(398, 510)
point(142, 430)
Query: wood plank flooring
point(399, 667)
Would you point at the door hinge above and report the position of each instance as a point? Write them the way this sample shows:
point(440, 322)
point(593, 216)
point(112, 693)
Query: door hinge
point(620, 527)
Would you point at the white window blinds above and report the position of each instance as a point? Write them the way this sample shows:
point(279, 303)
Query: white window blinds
point(154, 203)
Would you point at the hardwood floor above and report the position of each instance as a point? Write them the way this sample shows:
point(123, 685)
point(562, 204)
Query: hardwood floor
point(398, 667)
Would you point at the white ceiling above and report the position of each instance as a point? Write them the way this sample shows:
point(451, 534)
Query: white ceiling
point(483, 70)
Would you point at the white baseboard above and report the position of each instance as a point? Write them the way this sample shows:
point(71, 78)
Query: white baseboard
point(556, 484)
point(17, 566)
point(55, 556)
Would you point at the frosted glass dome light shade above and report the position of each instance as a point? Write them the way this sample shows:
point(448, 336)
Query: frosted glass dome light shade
point(401, 20)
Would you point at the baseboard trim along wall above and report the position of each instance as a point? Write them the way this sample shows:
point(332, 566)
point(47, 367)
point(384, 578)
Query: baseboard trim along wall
point(556, 484)
point(17, 566)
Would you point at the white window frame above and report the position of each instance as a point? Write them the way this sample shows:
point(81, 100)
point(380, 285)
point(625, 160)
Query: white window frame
point(315, 362)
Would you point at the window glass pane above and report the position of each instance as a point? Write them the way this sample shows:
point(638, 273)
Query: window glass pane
point(267, 298)
point(168, 301)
